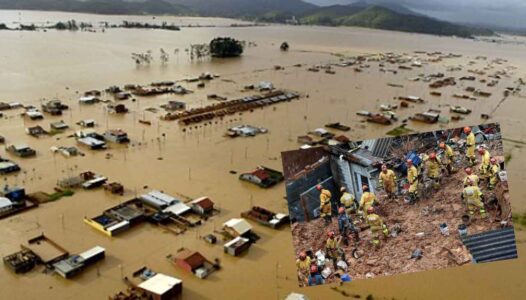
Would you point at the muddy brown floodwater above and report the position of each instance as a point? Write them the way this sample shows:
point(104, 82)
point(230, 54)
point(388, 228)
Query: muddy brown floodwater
point(37, 65)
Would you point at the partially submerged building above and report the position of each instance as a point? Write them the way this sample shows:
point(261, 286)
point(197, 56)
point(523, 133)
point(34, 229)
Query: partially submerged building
point(263, 177)
point(202, 206)
point(21, 150)
point(266, 217)
point(7, 166)
point(117, 219)
point(74, 264)
point(161, 287)
point(194, 262)
point(54, 107)
point(118, 136)
point(239, 227)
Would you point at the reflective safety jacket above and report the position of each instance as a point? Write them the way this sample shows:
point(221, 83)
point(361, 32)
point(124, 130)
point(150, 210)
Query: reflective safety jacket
point(388, 177)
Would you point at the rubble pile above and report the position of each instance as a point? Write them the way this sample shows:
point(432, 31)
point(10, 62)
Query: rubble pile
point(415, 241)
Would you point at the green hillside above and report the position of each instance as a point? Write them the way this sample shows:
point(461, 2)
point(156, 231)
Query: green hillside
point(382, 18)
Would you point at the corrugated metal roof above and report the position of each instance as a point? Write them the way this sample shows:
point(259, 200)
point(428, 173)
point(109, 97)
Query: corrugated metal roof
point(379, 147)
point(492, 245)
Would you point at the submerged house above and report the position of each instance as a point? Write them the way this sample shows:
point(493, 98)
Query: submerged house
point(116, 136)
point(7, 166)
point(202, 206)
point(74, 264)
point(194, 262)
point(161, 287)
point(263, 177)
point(54, 107)
point(21, 150)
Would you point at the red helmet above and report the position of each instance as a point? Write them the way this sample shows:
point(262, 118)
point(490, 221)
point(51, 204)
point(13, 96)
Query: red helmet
point(313, 269)
point(467, 130)
point(330, 234)
point(432, 156)
point(370, 210)
point(493, 160)
point(303, 255)
point(341, 210)
point(319, 187)
point(442, 145)
point(468, 171)
point(409, 162)
point(365, 187)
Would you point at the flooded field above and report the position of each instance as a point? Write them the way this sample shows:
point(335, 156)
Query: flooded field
point(196, 162)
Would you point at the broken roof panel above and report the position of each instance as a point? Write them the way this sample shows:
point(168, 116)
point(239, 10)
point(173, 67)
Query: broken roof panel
point(492, 245)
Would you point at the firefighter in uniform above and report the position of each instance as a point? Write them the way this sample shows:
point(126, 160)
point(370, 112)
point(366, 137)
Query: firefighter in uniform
point(484, 164)
point(470, 176)
point(368, 199)
point(470, 144)
point(347, 200)
point(434, 170)
point(377, 225)
point(412, 179)
point(473, 197)
point(493, 173)
point(325, 204)
point(332, 248)
point(449, 157)
point(387, 180)
point(303, 264)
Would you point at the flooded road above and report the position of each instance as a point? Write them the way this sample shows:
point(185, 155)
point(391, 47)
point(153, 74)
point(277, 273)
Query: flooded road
point(45, 65)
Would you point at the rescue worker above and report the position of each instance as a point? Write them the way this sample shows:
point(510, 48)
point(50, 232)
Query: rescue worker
point(493, 173)
point(470, 144)
point(412, 179)
point(449, 157)
point(473, 197)
point(332, 248)
point(368, 199)
point(345, 225)
point(325, 204)
point(387, 180)
point(315, 277)
point(377, 225)
point(303, 265)
point(470, 176)
point(347, 200)
point(434, 170)
point(484, 164)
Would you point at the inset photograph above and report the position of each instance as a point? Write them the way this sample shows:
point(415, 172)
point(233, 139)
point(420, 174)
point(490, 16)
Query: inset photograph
point(401, 204)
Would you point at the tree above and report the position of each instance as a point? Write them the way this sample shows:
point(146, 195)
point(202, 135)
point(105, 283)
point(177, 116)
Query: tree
point(226, 47)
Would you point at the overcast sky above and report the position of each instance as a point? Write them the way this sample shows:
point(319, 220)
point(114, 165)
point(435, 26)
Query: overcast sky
point(510, 13)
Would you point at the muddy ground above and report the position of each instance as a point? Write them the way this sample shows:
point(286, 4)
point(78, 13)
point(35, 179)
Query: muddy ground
point(419, 225)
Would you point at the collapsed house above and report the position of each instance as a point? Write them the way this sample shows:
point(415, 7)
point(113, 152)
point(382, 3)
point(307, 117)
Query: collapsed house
point(344, 165)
